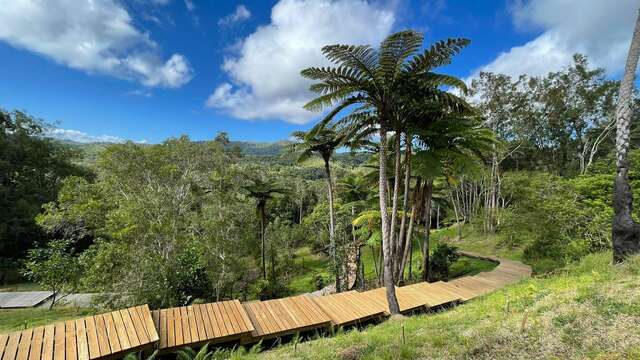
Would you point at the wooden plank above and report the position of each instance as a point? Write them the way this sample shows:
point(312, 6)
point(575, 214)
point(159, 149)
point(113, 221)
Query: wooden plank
point(171, 328)
point(11, 348)
point(59, 340)
point(35, 351)
point(177, 322)
point(220, 320)
point(213, 321)
point(3, 343)
point(206, 321)
point(104, 340)
point(48, 342)
point(123, 338)
point(150, 325)
point(112, 334)
point(245, 317)
point(193, 327)
point(81, 340)
point(186, 331)
point(257, 326)
point(202, 332)
point(138, 326)
point(71, 352)
point(24, 345)
point(231, 317)
point(129, 328)
point(162, 327)
point(92, 337)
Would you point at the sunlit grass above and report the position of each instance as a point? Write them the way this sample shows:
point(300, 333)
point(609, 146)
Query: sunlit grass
point(588, 310)
point(19, 319)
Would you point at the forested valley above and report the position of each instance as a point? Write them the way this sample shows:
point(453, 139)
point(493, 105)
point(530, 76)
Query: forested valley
point(528, 174)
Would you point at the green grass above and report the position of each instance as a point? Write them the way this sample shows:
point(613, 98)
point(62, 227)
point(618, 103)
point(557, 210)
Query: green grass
point(309, 264)
point(588, 310)
point(476, 240)
point(18, 319)
point(26, 286)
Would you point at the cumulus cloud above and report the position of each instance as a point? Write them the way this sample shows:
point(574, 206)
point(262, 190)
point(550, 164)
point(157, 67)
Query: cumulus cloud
point(240, 14)
point(81, 137)
point(94, 36)
point(600, 29)
point(264, 73)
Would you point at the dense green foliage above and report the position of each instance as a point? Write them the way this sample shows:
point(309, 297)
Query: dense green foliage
point(31, 171)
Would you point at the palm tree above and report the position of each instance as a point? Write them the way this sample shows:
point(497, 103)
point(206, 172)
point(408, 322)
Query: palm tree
point(451, 145)
point(373, 81)
point(625, 232)
point(323, 141)
point(263, 190)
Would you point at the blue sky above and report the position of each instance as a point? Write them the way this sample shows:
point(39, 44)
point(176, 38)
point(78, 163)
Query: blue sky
point(146, 70)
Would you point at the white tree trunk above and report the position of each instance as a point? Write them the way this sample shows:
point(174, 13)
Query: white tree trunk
point(625, 232)
point(389, 284)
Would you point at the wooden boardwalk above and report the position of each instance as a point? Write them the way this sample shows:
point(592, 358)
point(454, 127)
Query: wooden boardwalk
point(349, 307)
point(284, 316)
point(109, 335)
point(117, 333)
point(199, 324)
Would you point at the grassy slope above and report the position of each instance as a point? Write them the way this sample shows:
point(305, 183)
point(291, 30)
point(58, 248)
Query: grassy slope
point(587, 310)
point(309, 264)
point(18, 319)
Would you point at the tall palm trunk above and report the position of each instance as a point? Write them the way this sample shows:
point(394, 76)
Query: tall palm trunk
point(625, 231)
point(386, 241)
point(394, 206)
point(332, 226)
point(427, 233)
point(415, 209)
point(402, 246)
point(263, 216)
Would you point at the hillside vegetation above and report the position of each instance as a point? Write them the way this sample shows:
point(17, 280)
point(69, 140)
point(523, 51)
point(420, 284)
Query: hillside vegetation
point(590, 309)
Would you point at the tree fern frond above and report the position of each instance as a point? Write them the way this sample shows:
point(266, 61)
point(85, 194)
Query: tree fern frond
point(438, 54)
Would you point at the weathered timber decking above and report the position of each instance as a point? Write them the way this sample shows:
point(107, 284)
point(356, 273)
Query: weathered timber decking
point(348, 307)
point(108, 335)
point(199, 324)
point(117, 333)
point(285, 316)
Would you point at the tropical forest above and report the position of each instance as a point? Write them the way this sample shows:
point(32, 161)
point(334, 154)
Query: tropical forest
point(365, 192)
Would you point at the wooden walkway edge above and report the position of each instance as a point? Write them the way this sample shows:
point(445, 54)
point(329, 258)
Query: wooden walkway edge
point(117, 333)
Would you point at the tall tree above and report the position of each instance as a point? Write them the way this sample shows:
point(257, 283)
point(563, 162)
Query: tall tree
point(323, 141)
point(625, 231)
point(373, 81)
point(263, 190)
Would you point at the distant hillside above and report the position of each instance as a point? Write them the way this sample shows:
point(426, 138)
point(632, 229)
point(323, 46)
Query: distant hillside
point(273, 150)
point(260, 148)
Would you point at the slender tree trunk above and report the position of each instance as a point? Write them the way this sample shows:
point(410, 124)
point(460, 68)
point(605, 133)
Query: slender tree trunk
point(415, 209)
point(263, 216)
point(625, 231)
point(389, 284)
point(375, 262)
point(394, 205)
point(427, 233)
point(438, 218)
point(402, 246)
point(332, 234)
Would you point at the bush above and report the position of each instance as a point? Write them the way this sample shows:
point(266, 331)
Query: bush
point(556, 218)
point(441, 259)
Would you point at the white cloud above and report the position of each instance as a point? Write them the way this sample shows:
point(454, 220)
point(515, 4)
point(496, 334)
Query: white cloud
point(190, 5)
point(264, 75)
point(81, 137)
point(600, 29)
point(240, 14)
point(140, 92)
point(94, 36)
